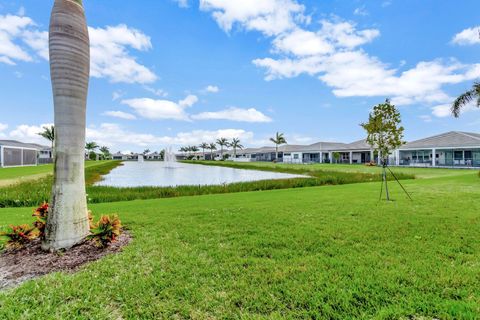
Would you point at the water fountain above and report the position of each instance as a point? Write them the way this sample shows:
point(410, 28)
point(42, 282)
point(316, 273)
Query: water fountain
point(140, 158)
point(170, 159)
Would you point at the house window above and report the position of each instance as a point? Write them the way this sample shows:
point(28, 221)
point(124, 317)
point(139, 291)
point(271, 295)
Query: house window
point(458, 155)
point(295, 156)
point(468, 154)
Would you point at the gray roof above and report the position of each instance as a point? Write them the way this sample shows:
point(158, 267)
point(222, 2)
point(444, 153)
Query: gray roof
point(452, 139)
point(356, 145)
point(18, 144)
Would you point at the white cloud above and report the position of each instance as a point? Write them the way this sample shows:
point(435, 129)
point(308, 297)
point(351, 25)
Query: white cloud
point(302, 43)
point(11, 28)
point(360, 11)
point(120, 115)
point(117, 95)
point(110, 58)
point(115, 136)
point(445, 110)
point(426, 118)
point(270, 17)
point(182, 3)
point(234, 114)
point(38, 41)
point(212, 89)
point(109, 48)
point(161, 109)
point(29, 133)
point(468, 36)
point(157, 92)
point(3, 127)
point(189, 101)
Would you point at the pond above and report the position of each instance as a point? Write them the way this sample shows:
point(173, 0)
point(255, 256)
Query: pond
point(161, 174)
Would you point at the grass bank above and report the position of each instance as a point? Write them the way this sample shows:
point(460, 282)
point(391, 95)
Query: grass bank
point(34, 192)
point(332, 252)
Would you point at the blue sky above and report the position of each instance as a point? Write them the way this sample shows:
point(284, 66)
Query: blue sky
point(181, 72)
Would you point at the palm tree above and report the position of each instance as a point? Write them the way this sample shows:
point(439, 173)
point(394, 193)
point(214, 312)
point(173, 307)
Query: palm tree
point(146, 151)
point(212, 147)
point(235, 144)
point(91, 147)
point(222, 142)
point(69, 47)
point(203, 146)
point(466, 98)
point(105, 152)
point(49, 134)
point(279, 139)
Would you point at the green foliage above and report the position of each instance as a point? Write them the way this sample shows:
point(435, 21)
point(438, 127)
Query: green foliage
point(18, 236)
point(383, 128)
point(106, 230)
point(40, 223)
point(48, 133)
point(92, 156)
point(336, 156)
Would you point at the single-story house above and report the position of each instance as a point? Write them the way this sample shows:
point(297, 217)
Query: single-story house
point(450, 149)
point(15, 154)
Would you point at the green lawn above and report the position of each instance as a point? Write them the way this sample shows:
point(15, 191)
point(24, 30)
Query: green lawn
point(417, 172)
point(331, 252)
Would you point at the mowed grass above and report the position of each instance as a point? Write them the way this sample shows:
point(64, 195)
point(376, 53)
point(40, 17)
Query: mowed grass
point(422, 173)
point(23, 172)
point(331, 252)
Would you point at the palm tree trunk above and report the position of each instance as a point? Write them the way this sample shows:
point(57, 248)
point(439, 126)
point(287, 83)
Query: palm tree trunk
point(276, 152)
point(69, 46)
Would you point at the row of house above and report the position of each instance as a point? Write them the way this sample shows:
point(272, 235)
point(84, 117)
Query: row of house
point(450, 149)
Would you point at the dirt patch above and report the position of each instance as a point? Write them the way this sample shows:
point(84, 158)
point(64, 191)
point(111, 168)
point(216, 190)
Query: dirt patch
point(18, 266)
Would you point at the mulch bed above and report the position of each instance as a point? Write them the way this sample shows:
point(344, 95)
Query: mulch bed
point(18, 266)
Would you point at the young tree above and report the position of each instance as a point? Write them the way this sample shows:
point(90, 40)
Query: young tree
point(466, 98)
point(384, 133)
point(222, 142)
point(49, 134)
point(336, 156)
point(279, 139)
point(235, 144)
point(69, 48)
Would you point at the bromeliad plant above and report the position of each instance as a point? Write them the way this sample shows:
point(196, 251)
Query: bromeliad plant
point(106, 230)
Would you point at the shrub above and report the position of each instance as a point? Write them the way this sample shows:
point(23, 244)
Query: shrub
point(41, 219)
point(19, 236)
point(106, 230)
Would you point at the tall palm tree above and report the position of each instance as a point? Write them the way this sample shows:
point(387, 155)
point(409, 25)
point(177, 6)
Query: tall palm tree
point(466, 98)
point(235, 144)
point(212, 147)
point(91, 147)
point(69, 47)
point(203, 146)
point(105, 152)
point(279, 139)
point(49, 134)
point(146, 151)
point(222, 142)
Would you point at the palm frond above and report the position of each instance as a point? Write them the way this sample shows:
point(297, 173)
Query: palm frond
point(461, 101)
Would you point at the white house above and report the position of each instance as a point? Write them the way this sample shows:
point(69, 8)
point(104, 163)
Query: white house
point(15, 154)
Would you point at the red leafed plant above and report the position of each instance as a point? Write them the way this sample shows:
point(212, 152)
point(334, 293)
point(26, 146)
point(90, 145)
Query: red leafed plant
point(19, 236)
point(41, 221)
point(106, 230)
